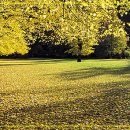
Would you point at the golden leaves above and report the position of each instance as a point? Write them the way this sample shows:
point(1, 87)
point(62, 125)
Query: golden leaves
point(63, 94)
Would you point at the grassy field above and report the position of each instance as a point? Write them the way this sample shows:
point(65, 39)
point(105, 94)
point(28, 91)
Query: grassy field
point(63, 94)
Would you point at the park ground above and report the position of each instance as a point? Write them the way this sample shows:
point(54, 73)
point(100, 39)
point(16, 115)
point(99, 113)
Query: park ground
point(63, 94)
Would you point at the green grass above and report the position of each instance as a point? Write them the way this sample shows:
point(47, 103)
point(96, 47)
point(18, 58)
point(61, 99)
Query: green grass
point(64, 94)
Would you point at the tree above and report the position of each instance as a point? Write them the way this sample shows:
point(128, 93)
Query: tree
point(49, 15)
point(11, 36)
point(111, 48)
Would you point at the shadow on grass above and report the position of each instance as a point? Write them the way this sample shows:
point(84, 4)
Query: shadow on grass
point(93, 72)
point(107, 108)
point(33, 62)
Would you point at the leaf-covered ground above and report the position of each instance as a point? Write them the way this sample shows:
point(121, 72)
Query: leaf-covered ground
point(63, 94)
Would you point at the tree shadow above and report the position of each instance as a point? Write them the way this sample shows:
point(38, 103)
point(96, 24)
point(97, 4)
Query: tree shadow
point(33, 62)
point(93, 72)
point(14, 64)
point(107, 108)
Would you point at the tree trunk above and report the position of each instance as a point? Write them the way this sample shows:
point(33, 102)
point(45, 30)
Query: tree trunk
point(79, 50)
point(79, 58)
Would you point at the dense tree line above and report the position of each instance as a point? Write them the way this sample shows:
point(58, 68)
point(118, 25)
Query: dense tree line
point(96, 29)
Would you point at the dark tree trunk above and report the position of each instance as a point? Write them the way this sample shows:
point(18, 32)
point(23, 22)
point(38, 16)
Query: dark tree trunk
point(79, 58)
point(79, 50)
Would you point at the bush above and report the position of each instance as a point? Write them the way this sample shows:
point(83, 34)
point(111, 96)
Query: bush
point(127, 53)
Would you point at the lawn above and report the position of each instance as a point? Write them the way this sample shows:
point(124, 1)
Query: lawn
point(63, 94)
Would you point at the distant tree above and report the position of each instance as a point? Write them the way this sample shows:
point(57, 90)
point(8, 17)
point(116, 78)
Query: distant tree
point(111, 46)
point(113, 38)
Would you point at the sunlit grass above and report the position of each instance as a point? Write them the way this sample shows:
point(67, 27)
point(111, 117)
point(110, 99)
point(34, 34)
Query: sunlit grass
point(65, 94)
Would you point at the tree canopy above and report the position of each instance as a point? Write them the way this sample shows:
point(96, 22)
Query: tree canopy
point(71, 20)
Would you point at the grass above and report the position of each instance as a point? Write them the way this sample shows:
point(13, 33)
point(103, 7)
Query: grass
point(63, 94)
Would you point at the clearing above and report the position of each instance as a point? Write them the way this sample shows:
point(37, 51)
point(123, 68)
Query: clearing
point(63, 94)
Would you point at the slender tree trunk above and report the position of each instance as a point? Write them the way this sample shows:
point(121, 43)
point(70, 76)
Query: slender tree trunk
point(79, 50)
point(79, 58)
